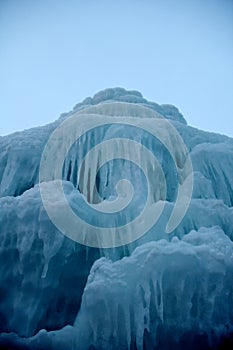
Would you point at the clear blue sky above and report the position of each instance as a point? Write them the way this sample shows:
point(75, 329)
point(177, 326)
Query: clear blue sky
point(55, 53)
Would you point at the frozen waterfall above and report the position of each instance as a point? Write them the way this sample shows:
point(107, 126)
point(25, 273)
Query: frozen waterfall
point(152, 290)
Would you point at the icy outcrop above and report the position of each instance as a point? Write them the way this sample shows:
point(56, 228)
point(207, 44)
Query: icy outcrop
point(20, 155)
point(41, 267)
point(215, 163)
point(163, 293)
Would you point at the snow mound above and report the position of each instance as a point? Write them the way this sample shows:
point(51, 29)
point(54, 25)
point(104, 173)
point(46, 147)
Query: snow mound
point(131, 96)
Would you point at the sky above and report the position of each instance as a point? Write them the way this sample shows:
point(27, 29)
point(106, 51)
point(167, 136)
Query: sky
point(54, 53)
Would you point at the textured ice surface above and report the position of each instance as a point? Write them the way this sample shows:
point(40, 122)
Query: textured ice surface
point(178, 291)
point(20, 153)
point(166, 295)
point(46, 272)
point(163, 292)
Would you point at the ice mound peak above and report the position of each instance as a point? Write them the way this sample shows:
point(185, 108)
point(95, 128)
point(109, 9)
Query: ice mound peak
point(131, 96)
point(114, 93)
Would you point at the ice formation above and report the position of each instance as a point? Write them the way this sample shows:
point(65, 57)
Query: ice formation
point(164, 292)
point(158, 292)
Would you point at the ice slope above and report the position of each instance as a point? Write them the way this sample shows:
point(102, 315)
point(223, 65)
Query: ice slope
point(43, 273)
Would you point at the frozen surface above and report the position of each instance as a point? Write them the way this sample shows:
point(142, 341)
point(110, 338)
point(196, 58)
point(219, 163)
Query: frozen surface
point(42, 267)
point(158, 292)
point(166, 295)
point(163, 292)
